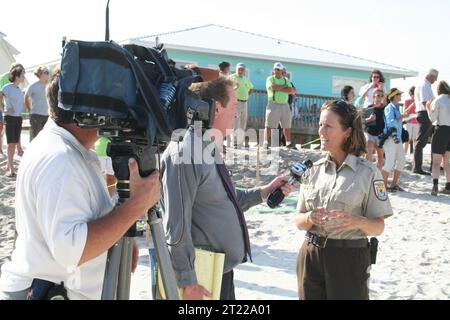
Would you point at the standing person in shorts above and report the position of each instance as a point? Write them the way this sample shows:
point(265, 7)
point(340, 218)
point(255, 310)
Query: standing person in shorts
point(14, 106)
point(278, 90)
point(393, 150)
point(411, 125)
point(374, 126)
point(440, 143)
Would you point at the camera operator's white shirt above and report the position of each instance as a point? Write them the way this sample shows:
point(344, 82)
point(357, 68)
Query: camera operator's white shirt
point(59, 190)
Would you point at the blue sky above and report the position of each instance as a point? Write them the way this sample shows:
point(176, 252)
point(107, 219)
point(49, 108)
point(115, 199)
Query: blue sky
point(411, 34)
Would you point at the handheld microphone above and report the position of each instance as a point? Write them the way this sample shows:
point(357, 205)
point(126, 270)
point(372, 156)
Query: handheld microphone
point(297, 172)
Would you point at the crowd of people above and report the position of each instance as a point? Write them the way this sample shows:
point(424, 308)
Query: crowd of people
point(66, 219)
point(391, 128)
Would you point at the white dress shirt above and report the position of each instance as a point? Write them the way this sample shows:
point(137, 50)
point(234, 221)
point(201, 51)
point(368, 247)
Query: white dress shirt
point(423, 93)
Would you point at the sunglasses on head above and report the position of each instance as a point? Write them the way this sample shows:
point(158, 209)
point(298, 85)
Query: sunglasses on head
point(346, 106)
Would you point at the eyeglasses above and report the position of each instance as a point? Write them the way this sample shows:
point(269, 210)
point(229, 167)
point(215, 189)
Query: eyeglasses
point(376, 77)
point(46, 72)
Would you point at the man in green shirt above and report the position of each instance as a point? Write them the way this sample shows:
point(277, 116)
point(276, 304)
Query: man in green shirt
point(278, 90)
point(243, 89)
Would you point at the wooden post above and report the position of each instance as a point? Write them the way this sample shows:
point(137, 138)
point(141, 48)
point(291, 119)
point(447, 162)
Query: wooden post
point(257, 166)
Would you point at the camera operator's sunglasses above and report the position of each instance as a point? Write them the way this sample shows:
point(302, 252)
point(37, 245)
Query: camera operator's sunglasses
point(46, 72)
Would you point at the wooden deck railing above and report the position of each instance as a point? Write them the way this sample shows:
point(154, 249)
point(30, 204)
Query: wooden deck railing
point(304, 122)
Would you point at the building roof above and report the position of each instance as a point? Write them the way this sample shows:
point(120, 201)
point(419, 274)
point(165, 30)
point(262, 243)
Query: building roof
point(218, 39)
point(10, 49)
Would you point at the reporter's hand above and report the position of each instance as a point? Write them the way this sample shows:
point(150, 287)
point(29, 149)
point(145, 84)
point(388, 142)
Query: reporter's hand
point(195, 292)
point(280, 181)
point(144, 191)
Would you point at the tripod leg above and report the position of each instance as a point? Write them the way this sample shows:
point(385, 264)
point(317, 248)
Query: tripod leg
point(112, 271)
point(162, 253)
point(123, 287)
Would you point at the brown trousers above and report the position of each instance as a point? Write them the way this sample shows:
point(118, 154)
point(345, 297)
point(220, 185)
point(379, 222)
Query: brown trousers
point(333, 273)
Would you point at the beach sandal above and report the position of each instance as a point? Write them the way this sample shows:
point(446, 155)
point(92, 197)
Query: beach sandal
point(11, 175)
point(397, 188)
point(391, 189)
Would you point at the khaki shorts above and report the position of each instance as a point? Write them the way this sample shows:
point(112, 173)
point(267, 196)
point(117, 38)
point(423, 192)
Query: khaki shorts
point(278, 113)
point(413, 130)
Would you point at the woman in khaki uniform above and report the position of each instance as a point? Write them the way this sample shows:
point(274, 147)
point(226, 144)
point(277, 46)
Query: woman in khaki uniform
point(343, 202)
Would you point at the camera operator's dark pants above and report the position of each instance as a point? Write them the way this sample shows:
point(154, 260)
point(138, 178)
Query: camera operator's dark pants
point(333, 273)
point(37, 123)
point(227, 290)
point(425, 129)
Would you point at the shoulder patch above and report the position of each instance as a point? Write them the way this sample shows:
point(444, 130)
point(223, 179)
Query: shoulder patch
point(380, 190)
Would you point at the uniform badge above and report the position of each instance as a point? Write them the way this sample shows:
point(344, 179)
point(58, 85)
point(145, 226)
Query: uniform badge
point(380, 190)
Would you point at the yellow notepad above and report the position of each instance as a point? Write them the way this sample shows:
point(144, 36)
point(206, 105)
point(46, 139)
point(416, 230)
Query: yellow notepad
point(209, 270)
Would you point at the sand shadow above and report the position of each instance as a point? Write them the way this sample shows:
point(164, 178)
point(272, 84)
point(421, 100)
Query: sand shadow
point(291, 294)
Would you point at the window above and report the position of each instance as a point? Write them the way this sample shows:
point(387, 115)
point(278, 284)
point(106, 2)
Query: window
point(339, 82)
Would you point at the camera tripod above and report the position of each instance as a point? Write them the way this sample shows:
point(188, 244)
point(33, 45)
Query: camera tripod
point(117, 278)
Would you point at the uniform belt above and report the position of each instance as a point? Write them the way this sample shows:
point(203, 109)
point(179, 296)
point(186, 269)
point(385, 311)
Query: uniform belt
point(322, 242)
point(242, 100)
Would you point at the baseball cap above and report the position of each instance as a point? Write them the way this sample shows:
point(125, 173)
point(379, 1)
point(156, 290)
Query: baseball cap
point(240, 65)
point(278, 65)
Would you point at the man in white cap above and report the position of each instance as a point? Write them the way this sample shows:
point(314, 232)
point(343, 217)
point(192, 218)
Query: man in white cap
point(278, 90)
point(423, 97)
point(243, 89)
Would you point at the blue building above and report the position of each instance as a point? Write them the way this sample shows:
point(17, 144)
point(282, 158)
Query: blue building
point(317, 74)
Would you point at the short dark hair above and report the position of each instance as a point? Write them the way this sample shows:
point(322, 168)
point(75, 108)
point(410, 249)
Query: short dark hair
point(216, 89)
point(223, 65)
point(411, 90)
point(378, 72)
point(345, 91)
point(59, 115)
point(15, 73)
point(349, 117)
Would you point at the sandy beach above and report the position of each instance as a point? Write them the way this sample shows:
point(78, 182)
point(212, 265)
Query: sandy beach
point(413, 258)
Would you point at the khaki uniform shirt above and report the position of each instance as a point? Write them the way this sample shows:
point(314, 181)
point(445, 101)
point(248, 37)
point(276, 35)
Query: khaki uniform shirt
point(356, 187)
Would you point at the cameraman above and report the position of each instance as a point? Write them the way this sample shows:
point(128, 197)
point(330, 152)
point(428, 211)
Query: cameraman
point(202, 208)
point(65, 218)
